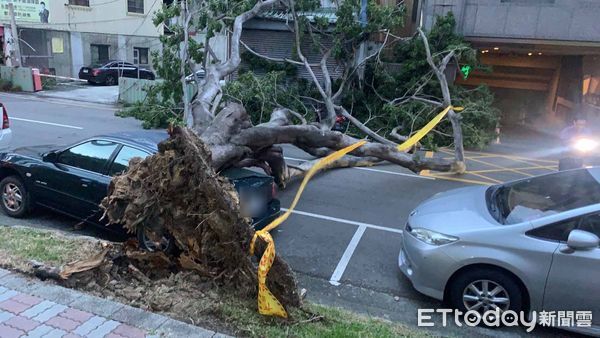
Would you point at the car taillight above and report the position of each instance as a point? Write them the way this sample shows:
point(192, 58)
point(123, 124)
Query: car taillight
point(95, 72)
point(273, 190)
point(5, 121)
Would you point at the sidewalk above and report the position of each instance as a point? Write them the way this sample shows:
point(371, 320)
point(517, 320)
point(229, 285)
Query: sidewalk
point(83, 92)
point(32, 308)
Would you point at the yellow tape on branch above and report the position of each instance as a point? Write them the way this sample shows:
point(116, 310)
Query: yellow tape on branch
point(267, 303)
point(425, 130)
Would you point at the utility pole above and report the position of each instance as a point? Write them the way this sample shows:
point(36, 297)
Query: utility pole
point(15, 36)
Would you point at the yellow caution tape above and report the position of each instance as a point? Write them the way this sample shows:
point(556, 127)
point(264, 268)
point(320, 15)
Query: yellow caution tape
point(425, 130)
point(267, 303)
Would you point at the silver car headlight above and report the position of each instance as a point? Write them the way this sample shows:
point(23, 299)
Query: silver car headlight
point(432, 237)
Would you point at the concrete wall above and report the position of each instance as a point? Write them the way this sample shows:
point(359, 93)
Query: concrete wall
point(21, 77)
point(60, 62)
point(573, 20)
point(46, 50)
point(121, 47)
point(102, 16)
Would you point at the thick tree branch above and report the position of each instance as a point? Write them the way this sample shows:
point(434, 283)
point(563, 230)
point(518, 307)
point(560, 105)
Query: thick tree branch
point(452, 116)
point(216, 72)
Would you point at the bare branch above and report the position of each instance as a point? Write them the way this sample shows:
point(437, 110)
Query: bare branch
point(274, 59)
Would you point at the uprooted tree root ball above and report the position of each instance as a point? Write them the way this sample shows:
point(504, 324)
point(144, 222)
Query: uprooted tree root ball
point(177, 193)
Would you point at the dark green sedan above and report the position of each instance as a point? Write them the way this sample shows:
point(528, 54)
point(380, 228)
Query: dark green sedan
point(74, 179)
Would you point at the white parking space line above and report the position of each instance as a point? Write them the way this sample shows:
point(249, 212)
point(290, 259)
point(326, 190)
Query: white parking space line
point(373, 170)
point(345, 221)
point(47, 123)
point(343, 263)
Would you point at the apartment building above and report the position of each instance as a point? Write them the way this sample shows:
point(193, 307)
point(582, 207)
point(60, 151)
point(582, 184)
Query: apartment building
point(542, 56)
point(61, 36)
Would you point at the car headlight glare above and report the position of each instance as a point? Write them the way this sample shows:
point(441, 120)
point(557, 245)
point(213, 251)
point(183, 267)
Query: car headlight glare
point(585, 145)
point(432, 237)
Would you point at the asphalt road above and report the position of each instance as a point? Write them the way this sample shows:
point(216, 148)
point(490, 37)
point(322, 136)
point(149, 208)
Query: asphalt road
point(343, 240)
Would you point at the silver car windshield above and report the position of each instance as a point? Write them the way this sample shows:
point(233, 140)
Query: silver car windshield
point(543, 195)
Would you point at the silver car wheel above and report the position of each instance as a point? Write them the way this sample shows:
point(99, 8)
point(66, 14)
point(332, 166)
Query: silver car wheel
point(12, 197)
point(153, 246)
point(485, 295)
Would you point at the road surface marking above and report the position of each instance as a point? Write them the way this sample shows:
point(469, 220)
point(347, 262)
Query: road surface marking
point(548, 167)
point(48, 123)
point(507, 156)
point(426, 172)
point(345, 221)
point(371, 169)
point(462, 180)
point(343, 263)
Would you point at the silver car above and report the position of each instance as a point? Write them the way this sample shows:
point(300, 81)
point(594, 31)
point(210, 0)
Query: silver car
point(527, 245)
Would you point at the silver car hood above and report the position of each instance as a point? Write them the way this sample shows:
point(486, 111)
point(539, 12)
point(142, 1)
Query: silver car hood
point(454, 212)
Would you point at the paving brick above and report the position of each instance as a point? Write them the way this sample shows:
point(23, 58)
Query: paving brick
point(103, 329)
point(39, 331)
point(55, 333)
point(62, 323)
point(14, 307)
point(140, 318)
point(95, 305)
point(50, 312)
point(71, 335)
point(9, 332)
point(8, 295)
point(3, 289)
point(4, 272)
point(76, 315)
point(113, 335)
point(27, 299)
point(5, 315)
point(89, 325)
point(129, 331)
point(22, 323)
point(37, 309)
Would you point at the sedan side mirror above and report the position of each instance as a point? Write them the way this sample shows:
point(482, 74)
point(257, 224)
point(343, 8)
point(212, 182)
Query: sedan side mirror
point(50, 156)
point(582, 240)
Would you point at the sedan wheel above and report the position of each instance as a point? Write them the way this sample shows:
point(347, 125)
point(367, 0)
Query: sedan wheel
point(147, 241)
point(12, 197)
point(485, 295)
point(110, 80)
point(485, 289)
point(15, 201)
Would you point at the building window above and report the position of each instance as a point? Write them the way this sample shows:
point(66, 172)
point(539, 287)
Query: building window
point(85, 3)
point(135, 6)
point(99, 54)
point(140, 56)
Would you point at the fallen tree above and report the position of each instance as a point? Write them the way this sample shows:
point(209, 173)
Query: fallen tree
point(178, 192)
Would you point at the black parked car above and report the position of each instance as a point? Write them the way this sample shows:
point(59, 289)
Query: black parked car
point(74, 179)
point(109, 72)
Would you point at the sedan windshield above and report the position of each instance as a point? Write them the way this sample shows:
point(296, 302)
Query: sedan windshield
point(543, 195)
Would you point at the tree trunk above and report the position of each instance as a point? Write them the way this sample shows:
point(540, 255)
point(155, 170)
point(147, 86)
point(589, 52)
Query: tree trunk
point(178, 193)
